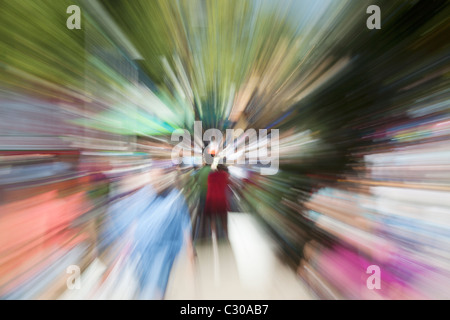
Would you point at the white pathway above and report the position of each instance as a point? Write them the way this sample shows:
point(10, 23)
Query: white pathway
point(243, 268)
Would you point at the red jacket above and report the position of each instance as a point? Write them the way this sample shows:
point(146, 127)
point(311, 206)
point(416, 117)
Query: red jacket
point(217, 194)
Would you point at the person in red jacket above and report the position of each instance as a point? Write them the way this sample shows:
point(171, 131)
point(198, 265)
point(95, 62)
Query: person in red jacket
point(217, 205)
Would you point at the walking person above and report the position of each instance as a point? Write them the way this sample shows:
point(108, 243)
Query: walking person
point(161, 233)
point(217, 204)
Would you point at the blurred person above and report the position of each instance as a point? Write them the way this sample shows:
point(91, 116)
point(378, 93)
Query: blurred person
point(202, 179)
point(161, 233)
point(217, 204)
point(40, 229)
point(202, 183)
point(129, 199)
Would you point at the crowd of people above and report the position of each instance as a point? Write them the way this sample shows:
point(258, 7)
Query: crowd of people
point(158, 218)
